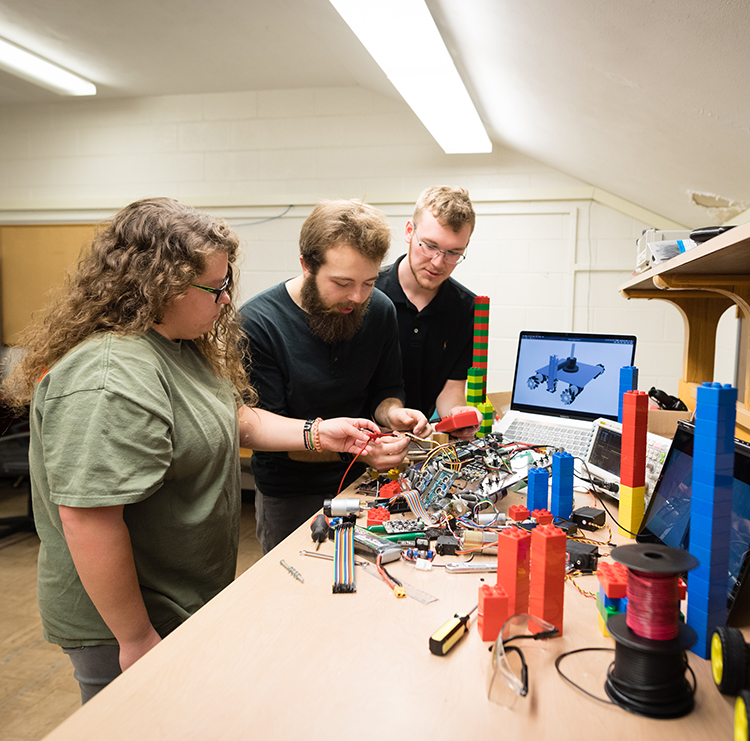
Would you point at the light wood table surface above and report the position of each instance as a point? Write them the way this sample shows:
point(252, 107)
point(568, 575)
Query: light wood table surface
point(273, 658)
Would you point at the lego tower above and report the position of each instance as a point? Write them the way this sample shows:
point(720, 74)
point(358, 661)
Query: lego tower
point(711, 510)
point(633, 462)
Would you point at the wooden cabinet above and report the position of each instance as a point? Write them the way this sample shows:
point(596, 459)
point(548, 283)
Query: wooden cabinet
point(703, 283)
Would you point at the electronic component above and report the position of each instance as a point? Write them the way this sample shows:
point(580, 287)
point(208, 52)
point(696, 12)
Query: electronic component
point(603, 455)
point(570, 528)
point(459, 421)
point(447, 545)
point(395, 527)
point(588, 518)
point(341, 507)
point(581, 556)
point(371, 546)
point(448, 635)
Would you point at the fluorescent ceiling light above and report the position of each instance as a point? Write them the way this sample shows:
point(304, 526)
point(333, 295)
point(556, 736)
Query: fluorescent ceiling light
point(30, 67)
point(404, 40)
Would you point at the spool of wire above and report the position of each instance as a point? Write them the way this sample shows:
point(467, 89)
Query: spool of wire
point(648, 675)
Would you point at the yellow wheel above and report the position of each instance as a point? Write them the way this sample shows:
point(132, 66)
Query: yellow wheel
point(740, 716)
point(729, 663)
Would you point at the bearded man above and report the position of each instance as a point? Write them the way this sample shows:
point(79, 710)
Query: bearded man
point(326, 340)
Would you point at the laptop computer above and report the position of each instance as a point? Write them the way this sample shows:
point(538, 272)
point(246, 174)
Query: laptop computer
point(667, 519)
point(563, 381)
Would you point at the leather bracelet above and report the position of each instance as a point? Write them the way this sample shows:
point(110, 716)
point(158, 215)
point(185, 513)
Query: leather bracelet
point(316, 435)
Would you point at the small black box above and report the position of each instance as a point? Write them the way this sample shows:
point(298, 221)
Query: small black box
point(447, 545)
point(588, 518)
point(582, 556)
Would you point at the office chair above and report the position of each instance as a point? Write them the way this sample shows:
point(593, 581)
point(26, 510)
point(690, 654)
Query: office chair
point(14, 464)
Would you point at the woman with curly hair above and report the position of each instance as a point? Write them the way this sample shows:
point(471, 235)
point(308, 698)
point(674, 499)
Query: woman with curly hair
point(135, 383)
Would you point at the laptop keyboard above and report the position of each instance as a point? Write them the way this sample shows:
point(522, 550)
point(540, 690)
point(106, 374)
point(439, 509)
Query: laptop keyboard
point(574, 441)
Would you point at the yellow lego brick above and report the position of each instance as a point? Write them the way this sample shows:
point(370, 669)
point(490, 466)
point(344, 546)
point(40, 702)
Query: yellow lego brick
point(603, 627)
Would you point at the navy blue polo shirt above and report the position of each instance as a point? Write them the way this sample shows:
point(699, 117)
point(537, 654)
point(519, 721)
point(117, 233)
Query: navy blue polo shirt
point(436, 343)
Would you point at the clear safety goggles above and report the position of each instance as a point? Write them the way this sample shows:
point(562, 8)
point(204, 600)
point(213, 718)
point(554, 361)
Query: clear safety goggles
point(509, 676)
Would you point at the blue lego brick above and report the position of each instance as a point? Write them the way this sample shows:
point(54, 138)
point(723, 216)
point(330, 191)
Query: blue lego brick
point(711, 592)
point(613, 603)
point(715, 413)
point(707, 444)
point(703, 623)
point(716, 394)
point(723, 427)
point(714, 570)
point(537, 496)
point(702, 553)
point(708, 535)
point(718, 464)
point(710, 501)
point(628, 382)
point(562, 463)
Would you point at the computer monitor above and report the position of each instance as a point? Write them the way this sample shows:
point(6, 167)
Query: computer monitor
point(570, 374)
point(667, 519)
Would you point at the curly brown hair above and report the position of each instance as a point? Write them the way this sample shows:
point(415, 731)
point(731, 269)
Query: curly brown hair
point(145, 257)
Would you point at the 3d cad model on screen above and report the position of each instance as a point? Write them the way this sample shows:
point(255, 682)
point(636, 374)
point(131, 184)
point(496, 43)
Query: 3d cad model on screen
point(576, 375)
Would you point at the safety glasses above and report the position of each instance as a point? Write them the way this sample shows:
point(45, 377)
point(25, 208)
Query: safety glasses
point(509, 676)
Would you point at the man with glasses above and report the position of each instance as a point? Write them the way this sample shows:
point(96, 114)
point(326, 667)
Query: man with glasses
point(435, 312)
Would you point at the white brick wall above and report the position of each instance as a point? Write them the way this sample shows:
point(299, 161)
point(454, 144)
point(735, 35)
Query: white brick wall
point(550, 261)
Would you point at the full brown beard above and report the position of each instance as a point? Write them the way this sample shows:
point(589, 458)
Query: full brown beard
point(327, 323)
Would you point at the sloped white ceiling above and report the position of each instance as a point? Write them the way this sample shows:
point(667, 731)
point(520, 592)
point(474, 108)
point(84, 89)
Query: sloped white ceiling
point(646, 99)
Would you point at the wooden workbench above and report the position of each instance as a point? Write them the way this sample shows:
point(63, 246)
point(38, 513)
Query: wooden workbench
point(273, 658)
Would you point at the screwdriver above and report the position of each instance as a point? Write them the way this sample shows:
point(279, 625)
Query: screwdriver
point(448, 635)
point(319, 528)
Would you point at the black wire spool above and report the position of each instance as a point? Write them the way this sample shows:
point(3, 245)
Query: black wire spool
point(648, 677)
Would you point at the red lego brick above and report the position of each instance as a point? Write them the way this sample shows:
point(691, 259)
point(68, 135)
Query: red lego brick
point(492, 611)
point(389, 490)
point(614, 579)
point(682, 589)
point(542, 516)
point(513, 555)
point(377, 515)
point(518, 512)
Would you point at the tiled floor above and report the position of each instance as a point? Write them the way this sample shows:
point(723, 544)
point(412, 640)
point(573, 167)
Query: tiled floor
point(37, 689)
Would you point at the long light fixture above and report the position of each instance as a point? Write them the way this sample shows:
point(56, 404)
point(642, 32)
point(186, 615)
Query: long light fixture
point(403, 39)
point(30, 67)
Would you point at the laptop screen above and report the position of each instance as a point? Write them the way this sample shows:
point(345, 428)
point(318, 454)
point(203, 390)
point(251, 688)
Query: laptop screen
point(570, 375)
point(667, 519)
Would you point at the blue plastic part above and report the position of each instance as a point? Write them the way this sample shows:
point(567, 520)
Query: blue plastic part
point(628, 382)
point(561, 504)
point(614, 603)
point(537, 496)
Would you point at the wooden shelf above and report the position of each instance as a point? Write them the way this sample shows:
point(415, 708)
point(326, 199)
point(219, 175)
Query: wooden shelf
point(703, 283)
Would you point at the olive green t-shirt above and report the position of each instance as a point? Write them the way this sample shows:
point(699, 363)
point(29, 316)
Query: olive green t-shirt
point(144, 422)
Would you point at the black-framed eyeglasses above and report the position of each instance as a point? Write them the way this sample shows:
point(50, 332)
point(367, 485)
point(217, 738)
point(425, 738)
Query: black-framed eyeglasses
point(429, 250)
point(509, 676)
point(216, 291)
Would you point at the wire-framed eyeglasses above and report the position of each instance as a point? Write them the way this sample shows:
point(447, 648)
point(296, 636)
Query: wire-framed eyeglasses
point(431, 251)
point(509, 676)
point(216, 291)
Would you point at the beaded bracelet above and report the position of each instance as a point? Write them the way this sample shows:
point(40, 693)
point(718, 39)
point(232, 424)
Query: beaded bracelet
point(316, 435)
point(307, 435)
